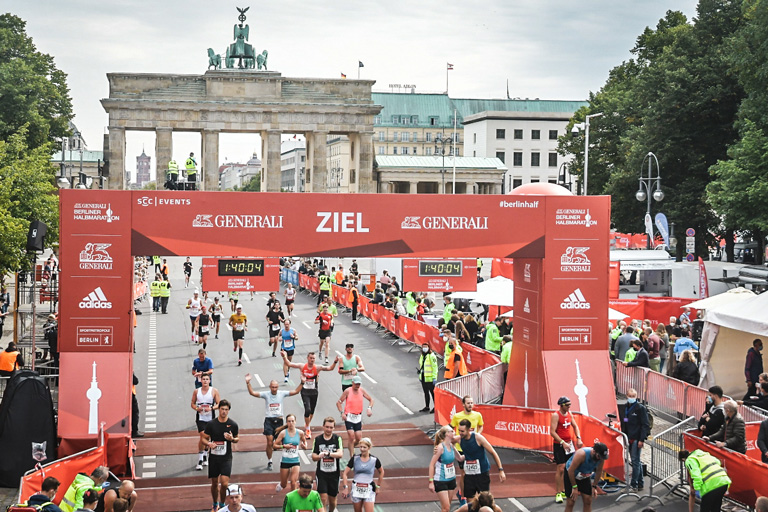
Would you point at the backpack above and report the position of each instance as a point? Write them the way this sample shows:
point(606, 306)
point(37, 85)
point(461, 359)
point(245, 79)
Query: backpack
point(24, 507)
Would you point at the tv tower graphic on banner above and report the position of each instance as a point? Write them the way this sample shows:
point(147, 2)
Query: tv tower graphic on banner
point(93, 394)
point(581, 391)
point(525, 382)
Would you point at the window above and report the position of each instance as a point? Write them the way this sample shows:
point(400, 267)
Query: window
point(382, 149)
point(535, 180)
point(553, 159)
point(414, 119)
point(405, 120)
point(518, 134)
point(535, 159)
point(376, 119)
point(303, 158)
point(457, 138)
point(517, 159)
point(433, 121)
point(352, 175)
point(415, 136)
point(535, 134)
point(405, 150)
point(516, 182)
point(382, 137)
point(395, 119)
point(501, 133)
point(428, 135)
point(552, 134)
point(394, 150)
point(474, 153)
point(405, 136)
point(414, 150)
point(428, 151)
point(552, 180)
point(474, 138)
point(500, 155)
point(458, 151)
point(394, 137)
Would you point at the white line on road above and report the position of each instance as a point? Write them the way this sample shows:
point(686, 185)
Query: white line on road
point(519, 505)
point(308, 326)
point(303, 457)
point(152, 457)
point(398, 402)
point(258, 379)
point(148, 474)
point(245, 356)
point(149, 465)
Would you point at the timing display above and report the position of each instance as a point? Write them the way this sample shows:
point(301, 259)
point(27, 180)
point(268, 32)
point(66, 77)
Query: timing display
point(241, 267)
point(439, 268)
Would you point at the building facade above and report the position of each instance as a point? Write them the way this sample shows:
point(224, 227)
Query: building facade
point(293, 165)
point(235, 174)
point(142, 169)
point(408, 174)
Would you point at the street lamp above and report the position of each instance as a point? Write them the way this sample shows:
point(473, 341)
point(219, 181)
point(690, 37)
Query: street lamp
point(649, 187)
point(562, 174)
point(440, 143)
point(585, 126)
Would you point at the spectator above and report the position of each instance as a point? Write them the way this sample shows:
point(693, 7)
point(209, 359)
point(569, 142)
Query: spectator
point(714, 416)
point(762, 441)
point(43, 500)
point(760, 400)
point(10, 360)
point(661, 332)
point(3, 313)
point(686, 370)
point(753, 367)
point(685, 317)
point(493, 336)
point(623, 343)
point(637, 428)
point(472, 328)
point(90, 500)
point(684, 343)
point(732, 434)
point(673, 328)
point(641, 359)
point(654, 349)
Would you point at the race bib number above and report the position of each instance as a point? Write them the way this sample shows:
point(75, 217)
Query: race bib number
point(275, 410)
point(274, 327)
point(472, 467)
point(219, 449)
point(583, 476)
point(361, 491)
point(568, 447)
point(310, 384)
point(328, 465)
point(450, 471)
point(354, 418)
point(204, 328)
point(290, 451)
point(239, 326)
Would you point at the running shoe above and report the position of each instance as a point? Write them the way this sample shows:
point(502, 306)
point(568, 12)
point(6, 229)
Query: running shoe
point(278, 487)
point(285, 380)
point(559, 497)
point(269, 466)
point(217, 336)
point(326, 360)
point(234, 349)
point(205, 461)
point(355, 321)
point(239, 362)
point(199, 466)
point(308, 433)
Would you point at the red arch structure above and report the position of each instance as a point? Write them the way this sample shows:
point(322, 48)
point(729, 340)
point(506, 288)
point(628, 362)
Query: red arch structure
point(560, 245)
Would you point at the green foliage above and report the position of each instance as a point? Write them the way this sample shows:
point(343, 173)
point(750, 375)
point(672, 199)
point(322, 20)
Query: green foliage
point(33, 92)
point(252, 185)
point(150, 185)
point(27, 193)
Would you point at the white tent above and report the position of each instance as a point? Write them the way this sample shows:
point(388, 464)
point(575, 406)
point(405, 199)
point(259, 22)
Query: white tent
point(497, 291)
point(733, 295)
point(746, 315)
point(616, 315)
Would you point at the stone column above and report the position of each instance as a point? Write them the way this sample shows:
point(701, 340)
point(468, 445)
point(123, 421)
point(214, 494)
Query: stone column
point(354, 162)
point(270, 162)
point(497, 188)
point(319, 162)
point(471, 187)
point(116, 157)
point(209, 177)
point(414, 187)
point(163, 154)
point(365, 182)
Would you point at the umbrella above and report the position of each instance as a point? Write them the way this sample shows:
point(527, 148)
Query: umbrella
point(616, 315)
point(498, 291)
point(733, 295)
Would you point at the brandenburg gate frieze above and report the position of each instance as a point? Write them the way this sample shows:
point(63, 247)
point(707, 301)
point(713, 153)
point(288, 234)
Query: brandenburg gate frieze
point(242, 101)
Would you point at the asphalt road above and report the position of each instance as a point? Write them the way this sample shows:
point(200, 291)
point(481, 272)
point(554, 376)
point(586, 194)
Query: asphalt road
point(163, 361)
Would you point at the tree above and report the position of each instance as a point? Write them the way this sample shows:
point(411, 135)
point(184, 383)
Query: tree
point(27, 193)
point(33, 91)
point(252, 185)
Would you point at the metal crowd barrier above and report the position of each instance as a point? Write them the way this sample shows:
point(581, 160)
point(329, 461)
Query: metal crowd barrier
point(484, 386)
point(491, 383)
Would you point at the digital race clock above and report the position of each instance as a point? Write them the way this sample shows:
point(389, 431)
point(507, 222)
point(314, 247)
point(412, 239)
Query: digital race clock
point(439, 268)
point(241, 267)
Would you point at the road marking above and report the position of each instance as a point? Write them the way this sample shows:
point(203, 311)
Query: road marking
point(149, 465)
point(245, 356)
point(148, 474)
point(398, 402)
point(152, 457)
point(258, 379)
point(308, 326)
point(148, 426)
point(519, 505)
point(303, 457)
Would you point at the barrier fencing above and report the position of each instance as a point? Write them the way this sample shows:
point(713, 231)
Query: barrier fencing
point(484, 387)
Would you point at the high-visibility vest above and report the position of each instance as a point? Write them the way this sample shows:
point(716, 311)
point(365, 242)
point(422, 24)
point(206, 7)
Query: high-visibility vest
point(190, 165)
point(430, 366)
point(173, 167)
point(410, 308)
point(325, 282)
point(8, 360)
point(448, 311)
point(165, 290)
point(154, 289)
point(164, 269)
point(454, 368)
point(706, 472)
point(156, 260)
point(73, 499)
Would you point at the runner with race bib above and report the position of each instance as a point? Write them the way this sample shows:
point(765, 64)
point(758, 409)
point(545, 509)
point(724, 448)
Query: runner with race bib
point(218, 436)
point(350, 405)
point(363, 491)
point(290, 440)
point(327, 450)
point(310, 392)
point(442, 467)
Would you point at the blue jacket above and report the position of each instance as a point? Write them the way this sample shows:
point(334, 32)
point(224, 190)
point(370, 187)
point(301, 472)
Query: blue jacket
point(38, 499)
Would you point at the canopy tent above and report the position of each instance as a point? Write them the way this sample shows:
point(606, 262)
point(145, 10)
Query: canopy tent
point(616, 315)
point(747, 315)
point(731, 296)
point(497, 291)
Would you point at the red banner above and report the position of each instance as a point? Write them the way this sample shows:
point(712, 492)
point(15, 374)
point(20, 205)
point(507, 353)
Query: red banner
point(659, 309)
point(365, 306)
point(633, 308)
point(503, 267)
point(478, 358)
point(64, 471)
point(703, 283)
point(614, 281)
point(269, 281)
point(303, 281)
point(741, 469)
point(459, 275)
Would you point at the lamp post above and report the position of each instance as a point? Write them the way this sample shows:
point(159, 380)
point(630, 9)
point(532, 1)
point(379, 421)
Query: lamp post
point(562, 174)
point(649, 187)
point(585, 126)
point(440, 143)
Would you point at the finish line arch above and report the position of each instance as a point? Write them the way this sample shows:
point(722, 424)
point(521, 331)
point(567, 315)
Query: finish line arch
point(560, 245)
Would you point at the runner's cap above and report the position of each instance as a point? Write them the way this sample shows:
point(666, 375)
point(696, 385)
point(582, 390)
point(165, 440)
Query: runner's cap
point(239, 306)
point(563, 400)
point(234, 489)
point(357, 380)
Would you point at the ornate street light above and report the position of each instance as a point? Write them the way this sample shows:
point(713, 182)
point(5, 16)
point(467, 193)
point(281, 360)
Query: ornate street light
point(440, 143)
point(649, 187)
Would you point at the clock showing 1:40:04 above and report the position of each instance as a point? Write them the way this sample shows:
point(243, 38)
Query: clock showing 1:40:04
point(439, 268)
point(241, 267)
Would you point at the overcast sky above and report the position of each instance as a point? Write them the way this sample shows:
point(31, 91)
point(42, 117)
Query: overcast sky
point(548, 49)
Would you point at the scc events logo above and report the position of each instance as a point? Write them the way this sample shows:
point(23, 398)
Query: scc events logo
point(163, 201)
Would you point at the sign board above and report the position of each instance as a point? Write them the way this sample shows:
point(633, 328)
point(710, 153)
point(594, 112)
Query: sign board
point(690, 232)
point(440, 275)
point(689, 257)
point(241, 274)
point(690, 244)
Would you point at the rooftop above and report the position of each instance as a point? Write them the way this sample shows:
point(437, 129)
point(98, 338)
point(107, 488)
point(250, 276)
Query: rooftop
point(74, 156)
point(433, 162)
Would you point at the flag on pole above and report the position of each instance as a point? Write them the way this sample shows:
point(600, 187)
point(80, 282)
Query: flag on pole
point(343, 75)
point(360, 64)
point(450, 67)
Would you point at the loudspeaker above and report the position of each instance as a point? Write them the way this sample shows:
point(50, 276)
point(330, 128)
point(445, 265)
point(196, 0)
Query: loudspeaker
point(36, 236)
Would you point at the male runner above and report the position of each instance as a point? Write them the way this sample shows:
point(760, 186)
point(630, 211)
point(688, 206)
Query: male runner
point(325, 319)
point(201, 366)
point(193, 305)
point(350, 405)
point(238, 321)
point(334, 313)
point(235, 500)
point(203, 326)
point(218, 436)
point(350, 366)
point(187, 272)
point(290, 298)
point(477, 470)
point(476, 425)
point(275, 317)
point(327, 450)
point(273, 410)
point(205, 400)
point(216, 312)
point(303, 499)
point(560, 429)
point(309, 374)
point(233, 298)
